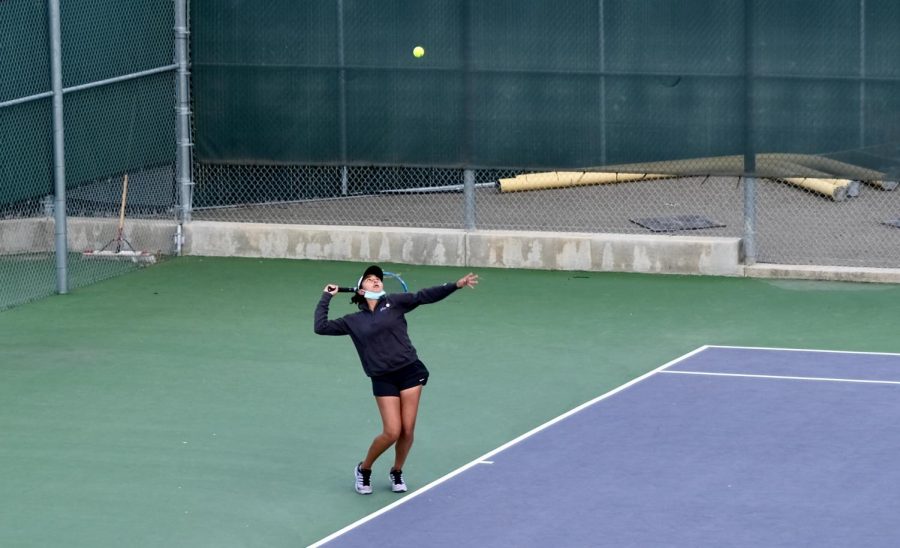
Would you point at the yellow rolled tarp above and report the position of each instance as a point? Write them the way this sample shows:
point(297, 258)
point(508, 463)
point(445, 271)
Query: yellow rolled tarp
point(834, 179)
point(771, 165)
point(838, 168)
point(563, 179)
point(836, 189)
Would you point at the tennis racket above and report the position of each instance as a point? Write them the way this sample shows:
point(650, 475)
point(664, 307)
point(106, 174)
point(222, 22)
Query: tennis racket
point(393, 283)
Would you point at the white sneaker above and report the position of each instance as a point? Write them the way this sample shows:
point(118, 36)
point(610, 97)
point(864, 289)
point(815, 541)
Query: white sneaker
point(363, 483)
point(397, 484)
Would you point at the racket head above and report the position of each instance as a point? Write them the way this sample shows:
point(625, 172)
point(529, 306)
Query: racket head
point(393, 283)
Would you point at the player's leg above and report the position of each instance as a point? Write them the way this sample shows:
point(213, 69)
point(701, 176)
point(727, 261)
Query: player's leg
point(409, 410)
point(389, 408)
point(391, 420)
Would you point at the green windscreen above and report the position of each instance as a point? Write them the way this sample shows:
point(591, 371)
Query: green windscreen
point(540, 84)
point(109, 128)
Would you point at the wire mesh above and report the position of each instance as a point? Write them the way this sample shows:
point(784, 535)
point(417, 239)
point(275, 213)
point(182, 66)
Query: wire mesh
point(121, 128)
point(802, 226)
point(118, 107)
point(851, 223)
point(368, 196)
point(688, 92)
point(26, 234)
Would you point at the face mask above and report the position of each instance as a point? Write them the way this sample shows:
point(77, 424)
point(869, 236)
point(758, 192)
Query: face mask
point(373, 295)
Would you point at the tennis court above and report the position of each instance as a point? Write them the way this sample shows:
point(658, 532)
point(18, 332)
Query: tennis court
point(721, 447)
point(190, 404)
point(250, 147)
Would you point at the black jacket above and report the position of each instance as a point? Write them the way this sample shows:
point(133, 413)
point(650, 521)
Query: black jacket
point(380, 336)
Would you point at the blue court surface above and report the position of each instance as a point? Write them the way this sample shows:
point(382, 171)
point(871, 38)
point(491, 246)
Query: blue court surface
point(722, 447)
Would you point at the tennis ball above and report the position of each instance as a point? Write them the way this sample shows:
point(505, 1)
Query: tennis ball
point(418, 51)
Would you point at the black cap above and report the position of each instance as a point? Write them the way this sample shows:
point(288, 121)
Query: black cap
point(374, 269)
point(358, 299)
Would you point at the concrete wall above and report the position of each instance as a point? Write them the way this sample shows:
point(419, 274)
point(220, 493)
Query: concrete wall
point(663, 254)
point(145, 235)
point(319, 242)
point(501, 249)
point(26, 235)
point(37, 235)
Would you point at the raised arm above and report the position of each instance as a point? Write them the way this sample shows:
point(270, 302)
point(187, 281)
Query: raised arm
point(322, 325)
point(410, 301)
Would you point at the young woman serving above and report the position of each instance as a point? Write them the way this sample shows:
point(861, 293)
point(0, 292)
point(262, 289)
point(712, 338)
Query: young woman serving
point(379, 332)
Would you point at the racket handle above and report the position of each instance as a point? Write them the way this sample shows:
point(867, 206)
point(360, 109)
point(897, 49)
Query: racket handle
point(346, 290)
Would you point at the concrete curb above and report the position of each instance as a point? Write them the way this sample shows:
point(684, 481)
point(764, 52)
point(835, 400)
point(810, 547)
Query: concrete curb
point(823, 273)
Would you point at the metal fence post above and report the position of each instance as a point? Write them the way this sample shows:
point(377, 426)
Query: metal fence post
point(469, 197)
point(468, 116)
point(183, 113)
point(862, 73)
point(749, 236)
point(59, 158)
point(342, 98)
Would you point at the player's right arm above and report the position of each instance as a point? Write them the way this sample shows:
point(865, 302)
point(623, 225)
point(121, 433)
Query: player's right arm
point(321, 324)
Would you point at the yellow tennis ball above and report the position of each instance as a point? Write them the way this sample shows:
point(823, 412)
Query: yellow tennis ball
point(418, 51)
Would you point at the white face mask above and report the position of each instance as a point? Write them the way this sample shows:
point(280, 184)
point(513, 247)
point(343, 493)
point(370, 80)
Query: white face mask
point(373, 295)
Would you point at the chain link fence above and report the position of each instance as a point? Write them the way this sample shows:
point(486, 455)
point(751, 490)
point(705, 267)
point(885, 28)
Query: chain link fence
point(850, 223)
point(796, 225)
point(118, 119)
point(341, 124)
point(25, 130)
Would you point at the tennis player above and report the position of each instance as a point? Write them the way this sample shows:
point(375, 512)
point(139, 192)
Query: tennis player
point(379, 332)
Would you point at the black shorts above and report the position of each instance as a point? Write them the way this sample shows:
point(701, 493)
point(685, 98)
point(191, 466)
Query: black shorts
point(408, 376)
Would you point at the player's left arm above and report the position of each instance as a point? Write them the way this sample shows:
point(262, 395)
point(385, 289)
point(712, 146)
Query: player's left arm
point(429, 295)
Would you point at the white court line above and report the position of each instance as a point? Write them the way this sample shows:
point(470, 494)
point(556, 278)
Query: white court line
point(864, 381)
point(487, 456)
point(803, 350)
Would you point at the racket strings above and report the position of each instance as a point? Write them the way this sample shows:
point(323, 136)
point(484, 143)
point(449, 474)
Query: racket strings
point(393, 283)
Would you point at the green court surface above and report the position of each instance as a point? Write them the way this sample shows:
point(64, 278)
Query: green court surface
point(190, 404)
point(30, 276)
